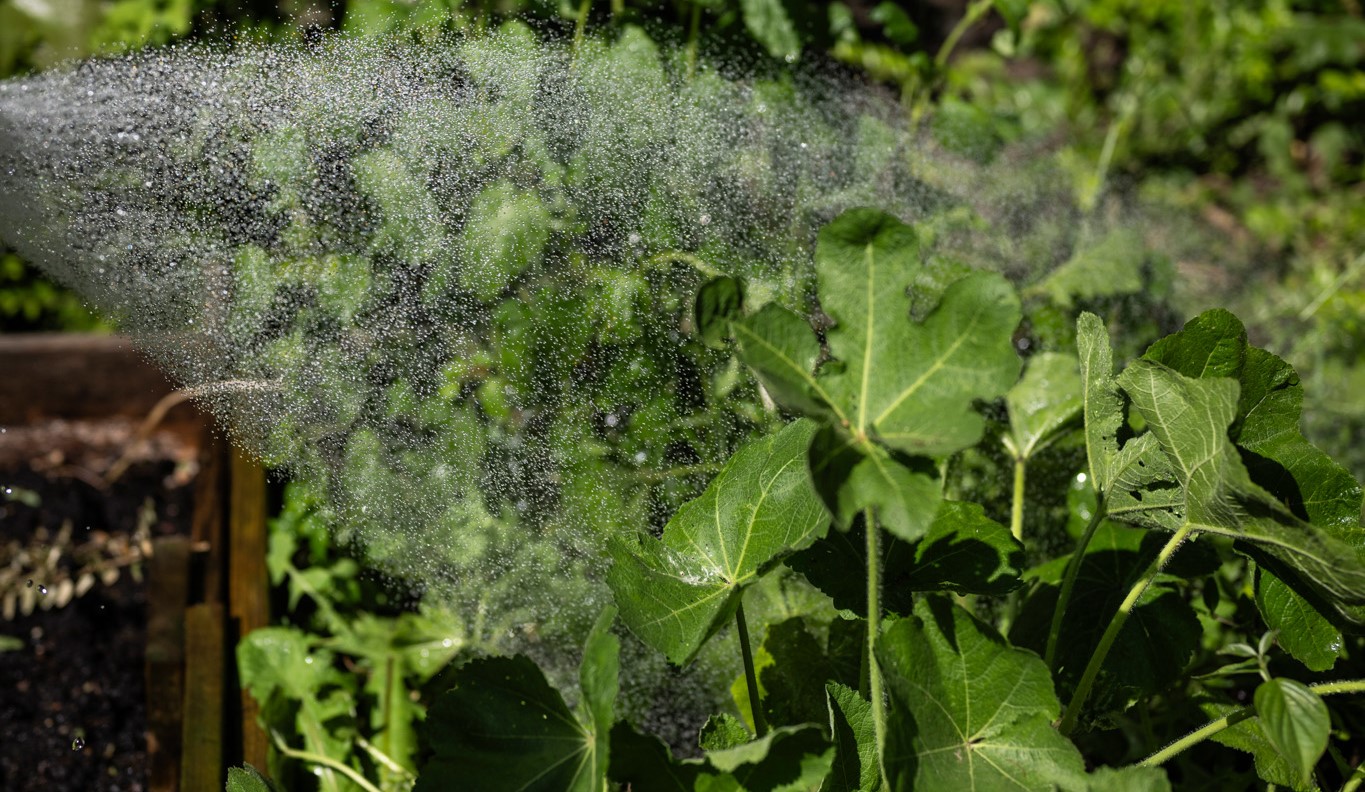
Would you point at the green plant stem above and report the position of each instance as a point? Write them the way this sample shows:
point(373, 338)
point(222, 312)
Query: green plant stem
point(874, 613)
point(750, 677)
point(1017, 501)
point(325, 761)
point(1073, 569)
point(581, 24)
point(974, 12)
point(1237, 716)
point(693, 31)
point(1092, 669)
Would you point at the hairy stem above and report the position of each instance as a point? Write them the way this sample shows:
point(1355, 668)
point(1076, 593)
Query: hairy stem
point(1017, 501)
point(874, 612)
point(1237, 716)
point(1092, 669)
point(750, 677)
point(1073, 569)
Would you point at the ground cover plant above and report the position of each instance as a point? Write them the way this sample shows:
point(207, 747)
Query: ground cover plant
point(1209, 603)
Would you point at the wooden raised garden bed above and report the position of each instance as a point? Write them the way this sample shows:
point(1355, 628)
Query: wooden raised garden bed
point(132, 557)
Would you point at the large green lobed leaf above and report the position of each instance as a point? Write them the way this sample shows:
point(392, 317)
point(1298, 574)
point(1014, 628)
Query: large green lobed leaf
point(968, 711)
point(676, 592)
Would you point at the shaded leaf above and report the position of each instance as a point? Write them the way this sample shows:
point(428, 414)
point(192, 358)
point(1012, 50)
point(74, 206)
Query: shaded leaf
point(644, 763)
point(968, 711)
point(501, 727)
point(1132, 778)
point(770, 24)
point(855, 742)
point(1248, 736)
point(1296, 722)
point(676, 592)
point(787, 759)
point(718, 302)
point(794, 685)
point(851, 478)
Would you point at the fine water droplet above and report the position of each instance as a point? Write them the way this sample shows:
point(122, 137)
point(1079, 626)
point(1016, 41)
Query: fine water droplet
point(639, 457)
point(447, 643)
point(30, 582)
point(42, 590)
point(612, 420)
point(77, 744)
point(9, 491)
point(1080, 478)
point(308, 660)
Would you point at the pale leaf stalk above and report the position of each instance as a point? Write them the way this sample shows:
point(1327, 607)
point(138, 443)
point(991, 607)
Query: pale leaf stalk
point(1073, 569)
point(1237, 716)
point(750, 677)
point(1017, 502)
point(324, 761)
point(874, 611)
point(1111, 633)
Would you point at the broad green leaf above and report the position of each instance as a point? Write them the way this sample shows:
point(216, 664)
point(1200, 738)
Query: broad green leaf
point(855, 742)
point(787, 759)
point(718, 302)
point(1296, 722)
point(770, 24)
point(781, 349)
point(852, 477)
point(502, 728)
point(1102, 405)
point(247, 779)
point(280, 668)
point(676, 592)
point(1190, 418)
point(1303, 632)
point(644, 763)
point(1213, 344)
point(1043, 402)
point(909, 384)
point(1249, 736)
point(968, 711)
point(964, 551)
point(723, 731)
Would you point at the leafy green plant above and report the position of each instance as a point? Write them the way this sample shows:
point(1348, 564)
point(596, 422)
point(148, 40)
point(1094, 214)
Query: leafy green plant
point(1206, 519)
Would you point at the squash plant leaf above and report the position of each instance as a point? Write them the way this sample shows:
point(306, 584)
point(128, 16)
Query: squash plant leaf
point(1190, 418)
point(676, 592)
point(910, 384)
point(969, 711)
point(502, 727)
point(1296, 722)
point(1043, 402)
point(855, 742)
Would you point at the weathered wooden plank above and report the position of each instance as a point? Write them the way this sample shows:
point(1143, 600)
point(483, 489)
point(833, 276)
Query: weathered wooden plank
point(201, 766)
point(248, 587)
point(168, 586)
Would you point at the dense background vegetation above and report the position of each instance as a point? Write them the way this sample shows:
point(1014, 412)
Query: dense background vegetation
point(1150, 159)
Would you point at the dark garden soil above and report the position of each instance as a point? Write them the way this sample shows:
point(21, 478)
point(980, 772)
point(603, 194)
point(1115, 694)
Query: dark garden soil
point(73, 710)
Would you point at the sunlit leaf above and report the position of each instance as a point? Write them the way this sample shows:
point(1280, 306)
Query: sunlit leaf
point(1296, 722)
point(855, 742)
point(1043, 402)
point(676, 592)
